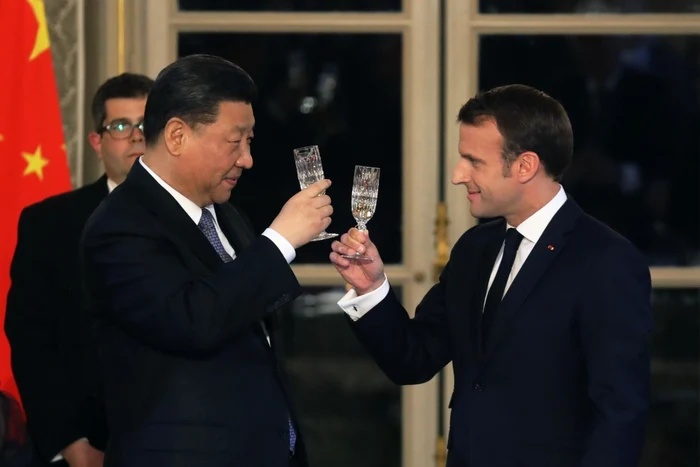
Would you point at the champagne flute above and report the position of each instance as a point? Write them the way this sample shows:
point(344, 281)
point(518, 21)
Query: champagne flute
point(310, 171)
point(365, 189)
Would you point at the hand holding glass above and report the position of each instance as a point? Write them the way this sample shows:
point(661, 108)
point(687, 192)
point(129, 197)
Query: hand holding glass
point(310, 171)
point(365, 189)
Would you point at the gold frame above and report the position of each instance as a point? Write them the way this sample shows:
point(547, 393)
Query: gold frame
point(121, 37)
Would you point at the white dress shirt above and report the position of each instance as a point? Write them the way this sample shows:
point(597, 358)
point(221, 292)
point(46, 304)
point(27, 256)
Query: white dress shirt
point(195, 213)
point(111, 185)
point(531, 229)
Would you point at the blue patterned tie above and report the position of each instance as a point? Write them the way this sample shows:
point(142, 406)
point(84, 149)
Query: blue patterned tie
point(206, 225)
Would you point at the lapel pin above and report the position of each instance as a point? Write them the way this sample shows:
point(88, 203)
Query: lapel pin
point(550, 247)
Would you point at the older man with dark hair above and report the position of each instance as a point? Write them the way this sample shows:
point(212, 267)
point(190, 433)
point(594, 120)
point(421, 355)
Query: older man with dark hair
point(184, 292)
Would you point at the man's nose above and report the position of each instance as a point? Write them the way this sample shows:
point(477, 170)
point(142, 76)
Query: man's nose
point(137, 134)
point(246, 160)
point(460, 174)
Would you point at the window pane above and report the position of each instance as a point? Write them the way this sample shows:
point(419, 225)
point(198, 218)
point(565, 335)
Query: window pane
point(339, 91)
point(589, 6)
point(674, 424)
point(635, 109)
point(289, 5)
point(350, 411)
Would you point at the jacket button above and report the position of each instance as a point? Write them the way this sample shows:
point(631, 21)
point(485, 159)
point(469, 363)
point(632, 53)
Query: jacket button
point(478, 386)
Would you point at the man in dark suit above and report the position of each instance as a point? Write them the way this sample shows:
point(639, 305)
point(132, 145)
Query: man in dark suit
point(183, 291)
point(53, 359)
point(544, 313)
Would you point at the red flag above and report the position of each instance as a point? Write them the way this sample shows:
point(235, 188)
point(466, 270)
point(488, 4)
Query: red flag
point(33, 161)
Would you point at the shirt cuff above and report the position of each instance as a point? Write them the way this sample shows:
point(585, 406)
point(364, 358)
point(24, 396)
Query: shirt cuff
point(357, 306)
point(282, 244)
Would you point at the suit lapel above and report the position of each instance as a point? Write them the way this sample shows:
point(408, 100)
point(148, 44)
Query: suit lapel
point(489, 252)
point(233, 226)
point(98, 190)
point(537, 263)
point(237, 231)
point(164, 207)
point(168, 212)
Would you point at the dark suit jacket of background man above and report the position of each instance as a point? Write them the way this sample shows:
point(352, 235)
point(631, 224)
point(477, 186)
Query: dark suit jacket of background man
point(53, 356)
point(563, 380)
point(189, 376)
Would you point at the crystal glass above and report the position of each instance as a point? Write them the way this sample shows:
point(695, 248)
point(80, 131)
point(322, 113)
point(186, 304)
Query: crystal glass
point(310, 171)
point(365, 189)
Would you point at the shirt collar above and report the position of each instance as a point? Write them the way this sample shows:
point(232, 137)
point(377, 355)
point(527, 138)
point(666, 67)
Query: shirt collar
point(192, 210)
point(111, 185)
point(534, 226)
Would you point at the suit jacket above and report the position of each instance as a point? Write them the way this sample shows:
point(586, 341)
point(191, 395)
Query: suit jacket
point(16, 447)
point(189, 376)
point(563, 380)
point(53, 356)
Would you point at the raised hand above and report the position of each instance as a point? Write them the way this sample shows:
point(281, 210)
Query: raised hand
point(363, 276)
point(305, 215)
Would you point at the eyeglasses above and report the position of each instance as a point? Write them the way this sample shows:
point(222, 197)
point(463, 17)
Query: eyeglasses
point(121, 129)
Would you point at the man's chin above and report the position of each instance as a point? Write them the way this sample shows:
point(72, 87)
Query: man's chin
point(221, 197)
point(479, 213)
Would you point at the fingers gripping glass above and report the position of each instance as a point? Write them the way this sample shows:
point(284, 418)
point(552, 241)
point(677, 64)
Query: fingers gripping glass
point(121, 129)
point(365, 189)
point(310, 171)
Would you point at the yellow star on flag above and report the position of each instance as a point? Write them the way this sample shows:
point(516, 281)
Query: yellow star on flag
point(2, 138)
point(35, 163)
point(41, 43)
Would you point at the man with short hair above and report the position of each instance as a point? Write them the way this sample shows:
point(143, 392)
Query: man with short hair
point(184, 292)
point(544, 313)
point(53, 358)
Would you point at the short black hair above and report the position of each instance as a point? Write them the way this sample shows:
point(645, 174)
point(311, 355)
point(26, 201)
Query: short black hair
point(126, 85)
point(529, 120)
point(192, 88)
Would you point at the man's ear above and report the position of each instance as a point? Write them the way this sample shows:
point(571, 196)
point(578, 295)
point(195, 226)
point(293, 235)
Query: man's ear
point(526, 166)
point(96, 143)
point(175, 135)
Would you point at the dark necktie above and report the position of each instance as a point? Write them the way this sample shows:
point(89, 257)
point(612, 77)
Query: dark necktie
point(498, 287)
point(206, 225)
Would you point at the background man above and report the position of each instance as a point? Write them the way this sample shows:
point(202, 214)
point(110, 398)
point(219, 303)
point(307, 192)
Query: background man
point(53, 358)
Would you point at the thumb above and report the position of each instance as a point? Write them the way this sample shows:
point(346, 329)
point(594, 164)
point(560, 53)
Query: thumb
point(319, 187)
point(368, 242)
